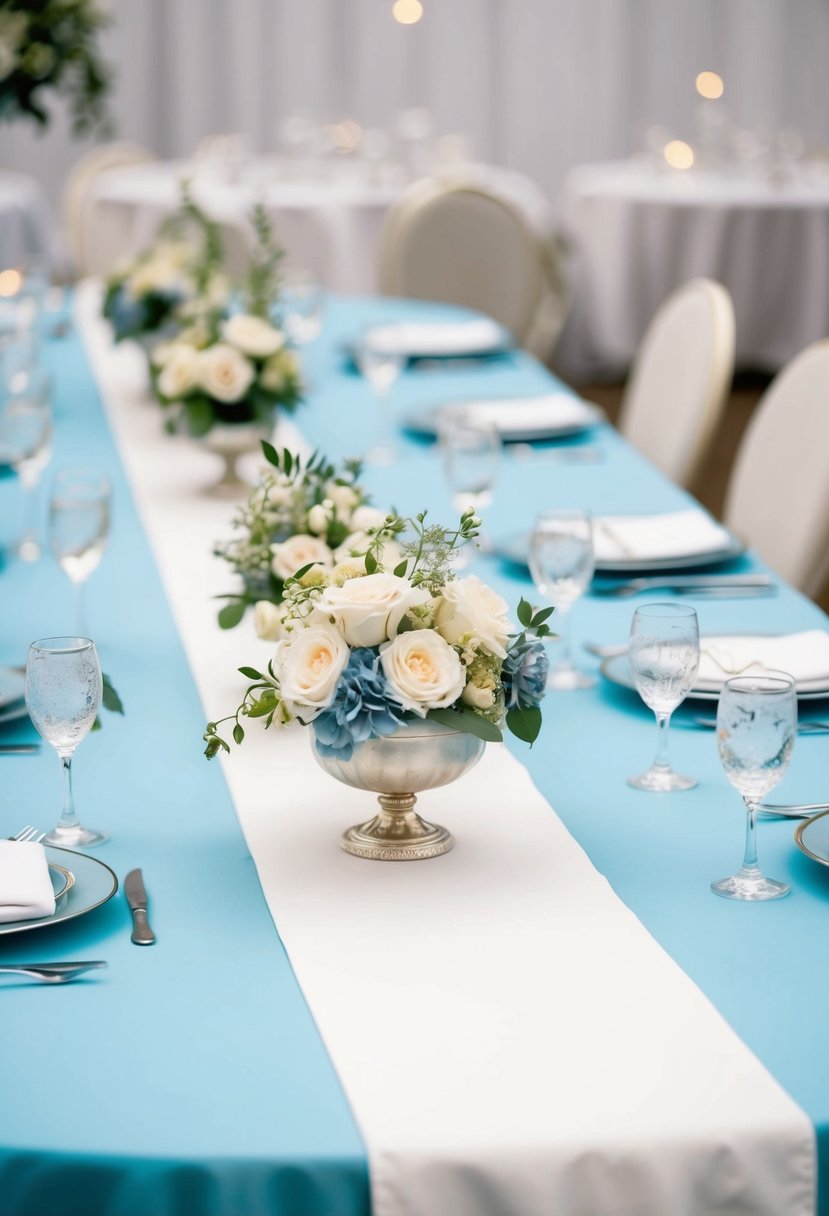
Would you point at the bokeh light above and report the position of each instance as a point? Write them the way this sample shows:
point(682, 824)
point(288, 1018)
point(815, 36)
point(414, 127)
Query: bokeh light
point(678, 154)
point(710, 85)
point(407, 12)
point(10, 282)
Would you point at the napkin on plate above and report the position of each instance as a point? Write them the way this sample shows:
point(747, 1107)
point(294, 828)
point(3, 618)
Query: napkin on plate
point(418, 339)
point(529, 413)
point(25, 886)
point(802, 655)
point(650, 537)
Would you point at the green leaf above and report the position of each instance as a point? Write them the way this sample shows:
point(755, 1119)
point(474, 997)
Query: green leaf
point(238, 734)
point(541, 616)
point(110, 698)
point(265, 705)
point(468, 722)
point(400, 571)
point(198, 416)
point(524, 723)
point(525, 612)
point(371, 563)
point(270, 453)
point(231, 614)
point(287, 461)
point(251, 673)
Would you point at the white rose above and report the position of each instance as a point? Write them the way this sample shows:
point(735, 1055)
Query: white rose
point(310, 665)
point(267, 619)
point(318, 519)
point(161, 354)
point(224, 373)
point(180, 372)
point(298, 551)
point(367, 517)
point(344, 498)
point(252, 335)
point(423, 671)
point(361, 607)
point(358, 544)
point(478, 698)
point(468, 605)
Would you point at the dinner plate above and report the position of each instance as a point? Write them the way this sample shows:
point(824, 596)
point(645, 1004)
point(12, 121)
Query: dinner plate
point(516, 547)
point(439, 339)
point(533, 425)
point(94, 884)
point(617, 670)
point(812, 837)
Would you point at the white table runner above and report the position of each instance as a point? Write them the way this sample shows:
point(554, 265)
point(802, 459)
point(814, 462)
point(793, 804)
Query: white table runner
point(511, 1039)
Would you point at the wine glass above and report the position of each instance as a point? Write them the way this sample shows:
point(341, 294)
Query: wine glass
point(756, 726)
point(79, 516)
point(471, 451)
point(561, 565)
point(380, 366)
point(63, 696)
point(25, 444)
point(304, 305)
point(664, 656)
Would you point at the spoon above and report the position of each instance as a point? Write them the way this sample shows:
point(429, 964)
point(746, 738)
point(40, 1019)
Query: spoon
point(51, 973)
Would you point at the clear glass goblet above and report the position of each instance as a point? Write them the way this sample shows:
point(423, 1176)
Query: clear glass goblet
point(561, 564)
point(664, 657)
point(63, 696)
point(756, 727)
point(381, 367)
point(304, 305)
point(470, 450)
point(79, 518)
point(25, 444)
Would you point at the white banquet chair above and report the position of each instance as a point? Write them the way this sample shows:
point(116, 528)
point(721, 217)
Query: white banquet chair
point(466, 243)
point(778, 492)
point(678, 386)
point(96, 239)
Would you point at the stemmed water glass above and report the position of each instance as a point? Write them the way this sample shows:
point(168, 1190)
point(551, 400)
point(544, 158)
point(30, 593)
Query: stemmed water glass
point(63, 695)
point(380, 366)
point(561, 564)
point(756, 726)
point(79, 515)
point(25, 444)
point(470, 449)
point(304, 305)
point(664, 657)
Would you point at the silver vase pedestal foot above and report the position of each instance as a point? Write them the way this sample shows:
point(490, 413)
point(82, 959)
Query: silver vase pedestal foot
point(397, 833)
point(231, 443)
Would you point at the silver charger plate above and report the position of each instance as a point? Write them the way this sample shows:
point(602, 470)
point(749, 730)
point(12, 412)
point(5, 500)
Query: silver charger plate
point(425, 422)
point(812, 837)
point(95, 884)
point(516, 548)
point(616, 669)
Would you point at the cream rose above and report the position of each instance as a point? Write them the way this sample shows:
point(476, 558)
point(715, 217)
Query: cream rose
point(267, 620)
point(224, 373)
point(298, 551)
point(423, 671)
point(253, 335)
point(357, 545)
point(478, 698)
point(367, 517)
point(180, 371)
point(361, 607)
point(344, 498)
point(310, 665)
point(318, 518)
point(469, 606)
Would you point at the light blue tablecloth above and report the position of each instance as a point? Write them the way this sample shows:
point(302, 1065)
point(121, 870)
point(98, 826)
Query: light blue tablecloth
point(190, 1077)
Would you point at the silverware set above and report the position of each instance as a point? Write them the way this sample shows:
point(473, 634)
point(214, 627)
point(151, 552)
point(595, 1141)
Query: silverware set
point(711, 586)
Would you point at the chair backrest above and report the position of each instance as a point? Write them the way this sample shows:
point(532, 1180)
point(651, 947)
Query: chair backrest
point(778, 492)
point(462, 244)
point(84, 238)
point(680, 379)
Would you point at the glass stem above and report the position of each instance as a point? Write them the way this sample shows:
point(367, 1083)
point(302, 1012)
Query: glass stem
point(80, 616)
point(68, 817)
point(750, 855)
point(563, 631)
point(661, 759)
point(28, 540)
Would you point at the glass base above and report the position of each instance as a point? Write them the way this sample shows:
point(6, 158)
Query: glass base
point(662, 781)
point(569, 678)
point(75, 838)
point(28, 550)
point(750, 885)
point(380, 456)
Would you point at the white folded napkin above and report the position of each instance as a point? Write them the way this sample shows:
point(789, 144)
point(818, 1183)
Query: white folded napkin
point(25, 886)
point(529, 413)
point(805, 656)
point(424, 338)
point(649, 537)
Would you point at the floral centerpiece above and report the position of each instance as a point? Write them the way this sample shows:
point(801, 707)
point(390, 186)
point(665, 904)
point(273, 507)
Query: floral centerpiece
point(301, 513)
point(52, 46)
point(370, 652)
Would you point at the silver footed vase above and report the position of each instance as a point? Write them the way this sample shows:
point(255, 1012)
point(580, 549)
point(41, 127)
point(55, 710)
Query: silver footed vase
point(422, 755)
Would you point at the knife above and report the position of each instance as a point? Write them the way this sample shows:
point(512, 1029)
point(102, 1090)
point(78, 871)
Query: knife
point(686, 582)
point(142, 934)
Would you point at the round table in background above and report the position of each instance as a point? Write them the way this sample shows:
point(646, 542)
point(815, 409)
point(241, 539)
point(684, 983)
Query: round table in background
point(639, 232)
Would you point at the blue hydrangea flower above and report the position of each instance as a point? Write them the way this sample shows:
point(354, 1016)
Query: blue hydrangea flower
point(525, 674)
point(363, 708)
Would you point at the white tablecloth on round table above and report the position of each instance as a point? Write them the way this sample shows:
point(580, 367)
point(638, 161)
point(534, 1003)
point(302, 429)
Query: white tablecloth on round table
point(640, 232)
point(329, 222)
point(27, 228)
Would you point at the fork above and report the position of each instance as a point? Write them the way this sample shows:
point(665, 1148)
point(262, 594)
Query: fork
point(51, 973)
point(28, 833)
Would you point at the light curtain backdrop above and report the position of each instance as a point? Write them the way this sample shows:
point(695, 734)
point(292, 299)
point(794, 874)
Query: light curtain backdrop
point(538, 85)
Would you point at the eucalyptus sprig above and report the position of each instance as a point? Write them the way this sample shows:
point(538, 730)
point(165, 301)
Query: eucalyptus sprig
point(263, 278)
point(427, 560)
